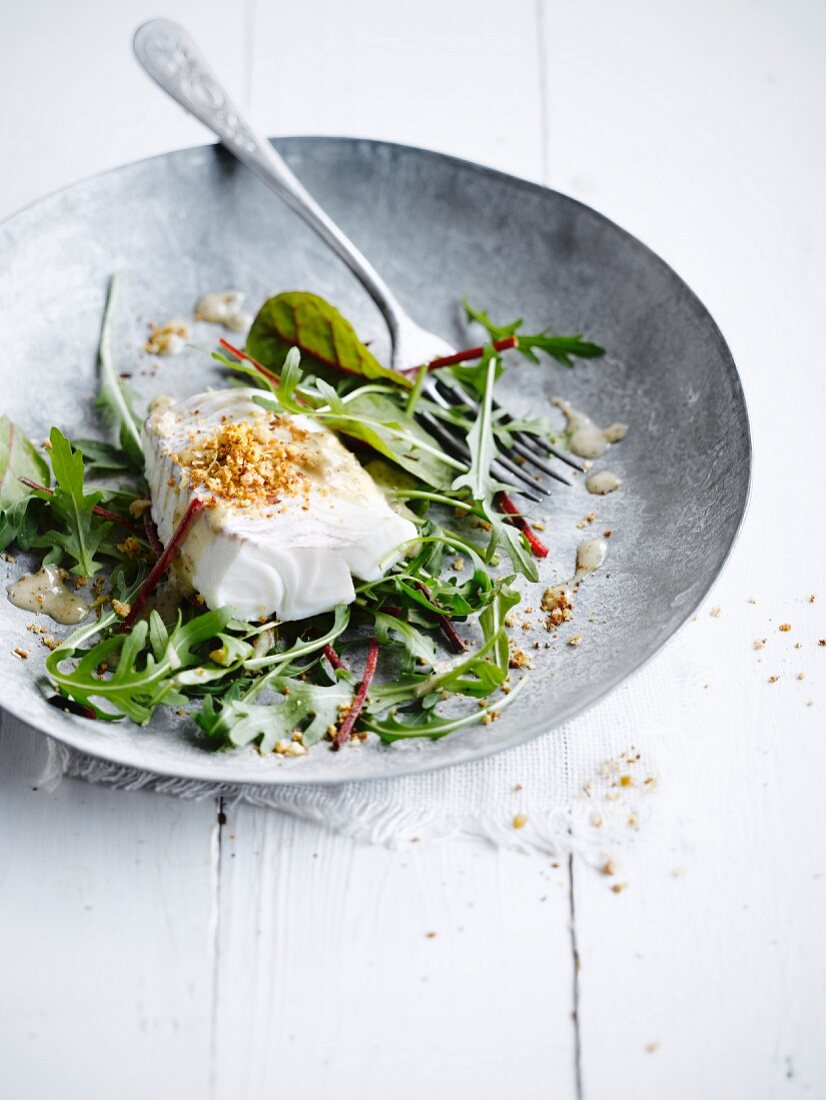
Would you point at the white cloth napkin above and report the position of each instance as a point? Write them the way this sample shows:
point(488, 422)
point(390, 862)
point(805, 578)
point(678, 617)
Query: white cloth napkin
point(583, 786)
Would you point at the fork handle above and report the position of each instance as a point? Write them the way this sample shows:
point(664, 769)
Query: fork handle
point(170, 56)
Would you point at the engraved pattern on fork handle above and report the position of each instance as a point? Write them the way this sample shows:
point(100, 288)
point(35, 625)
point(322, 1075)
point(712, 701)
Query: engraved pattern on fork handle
point(173, 60)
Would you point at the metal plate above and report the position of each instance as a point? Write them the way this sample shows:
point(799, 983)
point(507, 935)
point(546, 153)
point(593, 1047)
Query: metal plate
point(438, 229)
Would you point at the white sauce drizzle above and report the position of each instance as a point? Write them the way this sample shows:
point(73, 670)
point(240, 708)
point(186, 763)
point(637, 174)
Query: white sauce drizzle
point(602, 482)
point(590, 555)
point(223, 307)
point(45, 592)
point(587, 440)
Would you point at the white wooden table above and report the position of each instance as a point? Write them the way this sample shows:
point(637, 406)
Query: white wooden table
point(147, 951)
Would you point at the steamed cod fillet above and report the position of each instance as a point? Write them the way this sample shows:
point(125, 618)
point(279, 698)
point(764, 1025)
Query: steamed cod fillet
point(290, 518)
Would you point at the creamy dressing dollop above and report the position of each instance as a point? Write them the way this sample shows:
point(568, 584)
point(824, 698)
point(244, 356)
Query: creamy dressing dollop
point(602, 482)
point(587, 439)
point(590, 556)
point(46, 592)
point(224, 307)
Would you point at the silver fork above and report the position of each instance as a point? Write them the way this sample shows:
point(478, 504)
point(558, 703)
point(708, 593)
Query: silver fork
point(170, 56)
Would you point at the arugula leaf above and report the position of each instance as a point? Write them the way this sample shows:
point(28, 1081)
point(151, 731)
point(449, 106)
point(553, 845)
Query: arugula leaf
point(476, 674)
point(84, 531)
point(474, 376)
point(376, 419)
point(513, 542)
point(302, 648)
point(115, 398)
point(141, 679)
point(327, 340)
point(18, 458)
point(371, 416)
point(481, 441)
point(492, 622)
point(560, 348)
point(540, 426)
point(449, 597)
point(303, 705)
point(102, 459)
point(489, 670)
point(428, 723)
point(415, 642)
point(291, 375)
point(496, 332)
point(280, 387)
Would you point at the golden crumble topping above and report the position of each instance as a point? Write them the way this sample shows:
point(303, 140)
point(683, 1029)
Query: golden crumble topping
point(519, 659)
point(130, 547)
point(557, 600)
point(251, 462)
point(169, 338)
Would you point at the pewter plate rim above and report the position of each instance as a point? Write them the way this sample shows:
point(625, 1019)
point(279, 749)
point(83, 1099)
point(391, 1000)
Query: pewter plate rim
point(219, 767)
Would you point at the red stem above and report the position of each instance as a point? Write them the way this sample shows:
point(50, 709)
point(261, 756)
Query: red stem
point(463, 356)
point(104, 512)
point(538, 547)
point(152, 533)
point(445, 625)
point(333, 657)
point(346, 728)
point(64, 703)
point(162, 564)
point(268, 374)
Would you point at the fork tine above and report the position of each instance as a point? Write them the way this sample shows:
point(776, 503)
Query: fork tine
point(516, 471)
point(540, 463)
point(513, 476)
point(449, 395)
point(529, 441)
point(452, 444)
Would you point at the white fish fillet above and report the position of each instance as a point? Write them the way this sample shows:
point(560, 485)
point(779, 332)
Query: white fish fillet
point(291, 557)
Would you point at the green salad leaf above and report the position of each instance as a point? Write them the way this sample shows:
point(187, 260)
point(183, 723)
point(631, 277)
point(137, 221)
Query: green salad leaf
point(102, 459)
point(481, 441)
point(476, 674)
point(416, 642)
point(114, 397)
point(325, 339)
point(372, 417)
point(561, 348)
point(513, 542)
point(308, 708)
point(80, 532)
point(146, 664)
point(280, 657)
point(399, 725)
point(18, 459)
